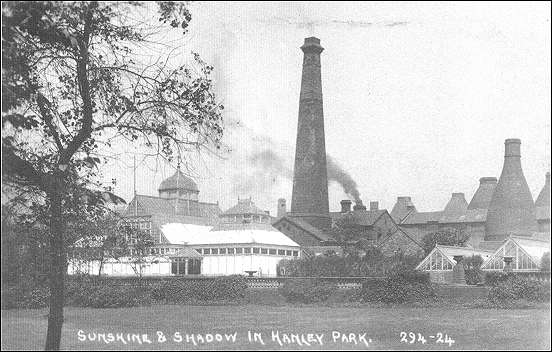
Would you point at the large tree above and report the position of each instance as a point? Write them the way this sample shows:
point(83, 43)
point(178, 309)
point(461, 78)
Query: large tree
point(76, 87)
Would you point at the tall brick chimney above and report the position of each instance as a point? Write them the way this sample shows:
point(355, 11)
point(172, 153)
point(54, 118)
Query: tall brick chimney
point(281, 207)
point(511, 210)
point(309, 199)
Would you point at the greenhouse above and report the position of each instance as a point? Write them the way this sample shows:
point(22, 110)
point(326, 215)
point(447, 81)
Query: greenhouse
point(441, 258)
point(526, 254)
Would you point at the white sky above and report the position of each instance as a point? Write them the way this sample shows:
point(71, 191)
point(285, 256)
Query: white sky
point(419, 109)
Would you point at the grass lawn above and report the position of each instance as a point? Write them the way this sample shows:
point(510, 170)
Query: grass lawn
point(470, 328)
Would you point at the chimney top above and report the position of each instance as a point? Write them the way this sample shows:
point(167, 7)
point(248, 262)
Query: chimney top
point(374, 205)
point(483, 180)
point(359, 206)
point(512, 147)
point(345, 206)
point(458, 195)
point(547, 178)
point(312, 45)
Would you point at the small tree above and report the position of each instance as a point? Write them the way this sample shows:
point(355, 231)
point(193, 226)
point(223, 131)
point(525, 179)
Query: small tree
point(446, 237)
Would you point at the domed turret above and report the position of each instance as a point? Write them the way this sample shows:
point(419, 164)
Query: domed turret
point(511, 210)
point(179, 186)
point(245, 212)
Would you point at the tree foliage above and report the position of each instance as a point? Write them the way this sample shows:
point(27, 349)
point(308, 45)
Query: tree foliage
point(446, 237)
point(81, 82)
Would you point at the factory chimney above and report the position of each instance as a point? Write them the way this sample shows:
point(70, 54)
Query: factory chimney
point(281, 207)
point(309, 199)
point(345, 206)
point(374, 206)
point(511, 210)
point(482, 197)
point(543, 200)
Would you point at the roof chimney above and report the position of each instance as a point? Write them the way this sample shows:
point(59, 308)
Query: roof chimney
point(281, 207)
point(374, 206)
point(359, 206)
point(482, 197)
point(543, 200)
point(346, 206)
point(511, 210)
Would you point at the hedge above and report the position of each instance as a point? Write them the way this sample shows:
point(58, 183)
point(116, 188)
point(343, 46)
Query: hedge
point(508, 289)
point(401, 286)
point(307, 290)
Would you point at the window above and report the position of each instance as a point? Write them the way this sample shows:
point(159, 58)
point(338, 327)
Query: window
point(222, 251)
point(295, 253)
point(272, 251)
point(239, 250)
point(255, 250)
point(214, 250)
point(207, 251)
point(288, 253)
point(247, 250)
point(230, 250)
point(264, 251)
point(281, 252)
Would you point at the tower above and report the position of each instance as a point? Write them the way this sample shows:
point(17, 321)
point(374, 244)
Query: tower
point(309, 199)
point(511, 210)
point(482, 197)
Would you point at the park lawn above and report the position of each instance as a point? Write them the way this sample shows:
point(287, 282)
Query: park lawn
point(470, 328)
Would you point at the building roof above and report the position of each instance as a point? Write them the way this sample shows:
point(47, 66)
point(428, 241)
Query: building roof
point(244, 206)
point(189, 234)
point(489, 245)
point(186, 252)
point(482, 197)
point(422, 217)
point(178, 181)
point(150, 205)
point(359, 217)
point(402, 208)
point(472, 215)
point(313, 231)
point(449, 252)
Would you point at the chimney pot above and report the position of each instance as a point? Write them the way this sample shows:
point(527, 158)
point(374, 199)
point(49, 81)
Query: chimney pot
point(374, 205)
point(281, 211)
point(512, 147)
point(483, 180)
point(345, 206)
point(359, 206)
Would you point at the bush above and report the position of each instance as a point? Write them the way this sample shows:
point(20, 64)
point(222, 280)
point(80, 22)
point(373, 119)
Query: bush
point(474, 276)
point(510, 289)
point(306, 290)
point(401, 286)
point(25, 295)
point(186, 291)
point(493, 278)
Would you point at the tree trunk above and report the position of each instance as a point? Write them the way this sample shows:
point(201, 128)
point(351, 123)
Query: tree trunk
point(57, 269)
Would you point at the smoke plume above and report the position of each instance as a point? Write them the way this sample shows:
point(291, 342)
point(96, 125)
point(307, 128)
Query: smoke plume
point(337, 174)
point(270, 165)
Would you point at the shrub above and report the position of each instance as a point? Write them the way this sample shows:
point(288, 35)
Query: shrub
point(186, 291)
point(306, 290)
point(474, 276)
point(510, 289)
point(493, 278)
point(25, 295)
point(400, 286)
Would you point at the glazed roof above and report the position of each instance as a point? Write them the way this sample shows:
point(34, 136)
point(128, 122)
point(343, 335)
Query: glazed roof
point(190, 234)
point(178, 181)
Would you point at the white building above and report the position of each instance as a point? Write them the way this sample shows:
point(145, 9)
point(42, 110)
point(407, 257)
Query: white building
point(194, 238)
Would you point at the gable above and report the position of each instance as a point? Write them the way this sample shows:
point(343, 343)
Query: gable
point(300, 232)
